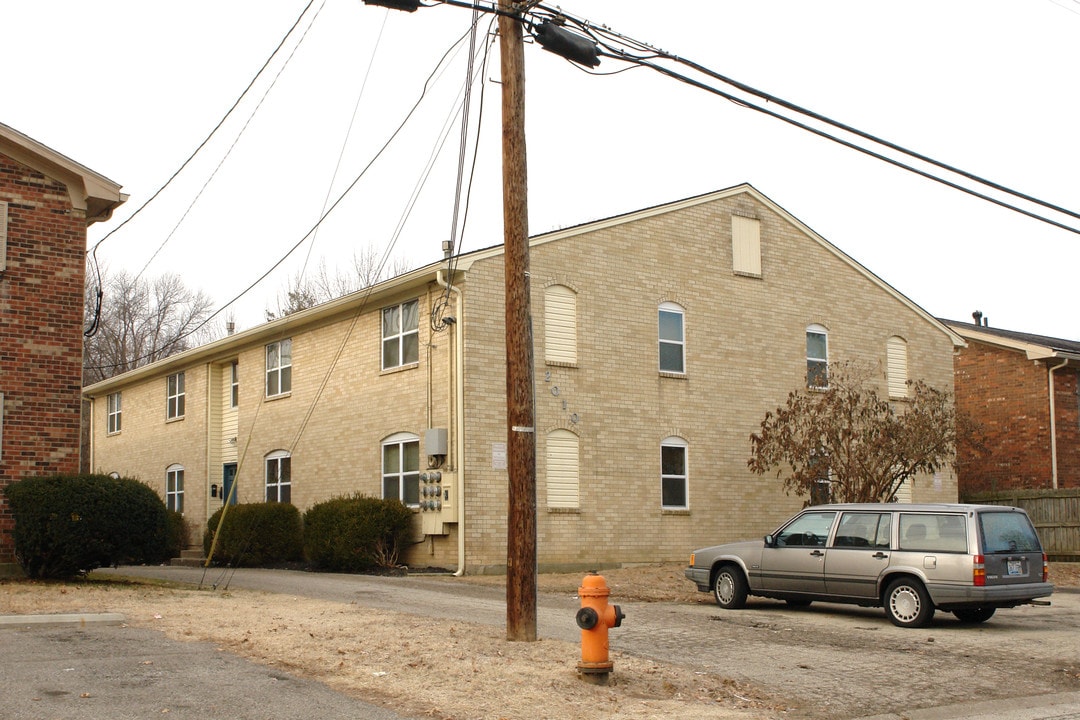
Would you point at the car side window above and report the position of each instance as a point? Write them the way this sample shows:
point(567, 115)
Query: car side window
point(863, 530)
point(807, 530)
point(933, 532)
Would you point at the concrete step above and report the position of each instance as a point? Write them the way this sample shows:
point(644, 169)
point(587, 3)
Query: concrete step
point(189, 558)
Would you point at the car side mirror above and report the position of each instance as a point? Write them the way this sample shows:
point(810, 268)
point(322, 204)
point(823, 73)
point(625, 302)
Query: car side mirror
point(770, 541)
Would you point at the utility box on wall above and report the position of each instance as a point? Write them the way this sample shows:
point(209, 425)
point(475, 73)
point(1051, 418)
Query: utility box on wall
point(435, 443)
point(437, 506)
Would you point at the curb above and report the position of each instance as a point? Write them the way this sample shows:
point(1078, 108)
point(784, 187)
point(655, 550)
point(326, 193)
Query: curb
point(61, 620)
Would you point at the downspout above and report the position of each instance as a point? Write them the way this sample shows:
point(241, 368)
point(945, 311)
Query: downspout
point(1053, 426)
point(456, 405)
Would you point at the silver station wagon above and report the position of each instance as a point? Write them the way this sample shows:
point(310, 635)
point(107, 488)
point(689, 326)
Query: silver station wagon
point(909, 559)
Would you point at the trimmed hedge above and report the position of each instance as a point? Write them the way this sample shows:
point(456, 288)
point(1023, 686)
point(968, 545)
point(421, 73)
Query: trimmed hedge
point(356, 534)
point(255, 535)
point(66, 525)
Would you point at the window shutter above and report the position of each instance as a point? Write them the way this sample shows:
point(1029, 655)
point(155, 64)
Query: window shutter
point(560, 324)
point(563, 485)
point(896, 367)
point(746, 245)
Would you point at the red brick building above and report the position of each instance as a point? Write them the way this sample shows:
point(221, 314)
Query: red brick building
point(46, 203)
point(1023, 392)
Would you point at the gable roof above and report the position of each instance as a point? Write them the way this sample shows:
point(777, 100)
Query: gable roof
point(1035, 347)
point(88, 190)
point(433, 273)
point(742, 189)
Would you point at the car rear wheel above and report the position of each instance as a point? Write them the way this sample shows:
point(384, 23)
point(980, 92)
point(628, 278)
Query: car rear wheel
point(908, 604)
point(974, 615)
point(729, 588)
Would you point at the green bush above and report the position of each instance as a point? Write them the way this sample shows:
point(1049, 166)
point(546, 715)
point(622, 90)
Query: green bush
point(177, 534)
point(355, 534)
point(70, 524)
point(255, 535)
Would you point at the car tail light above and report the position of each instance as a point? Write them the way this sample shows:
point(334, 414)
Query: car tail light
point(978, 572)
point(1046, 569)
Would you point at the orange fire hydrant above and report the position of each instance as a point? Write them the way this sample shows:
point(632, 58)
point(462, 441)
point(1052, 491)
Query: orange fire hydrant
point(594, 618)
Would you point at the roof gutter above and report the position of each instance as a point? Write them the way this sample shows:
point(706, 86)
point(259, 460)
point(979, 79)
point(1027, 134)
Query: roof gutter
point(1053, 424)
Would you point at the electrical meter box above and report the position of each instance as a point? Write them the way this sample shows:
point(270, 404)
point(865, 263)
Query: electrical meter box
point(438, 505)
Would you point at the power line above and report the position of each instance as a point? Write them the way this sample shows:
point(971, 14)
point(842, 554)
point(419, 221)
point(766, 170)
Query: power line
point(617, 46)
point(95, 323)
point(408, 116)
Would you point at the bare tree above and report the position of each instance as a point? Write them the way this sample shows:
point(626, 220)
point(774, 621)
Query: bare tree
point(306, 290)
point(140, 321)
point(847, 438)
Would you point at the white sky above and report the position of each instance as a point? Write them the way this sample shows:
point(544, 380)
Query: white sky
point(129, 88)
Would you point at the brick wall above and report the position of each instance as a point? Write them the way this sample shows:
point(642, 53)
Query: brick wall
point(1008, 396)
point(745, 350)
point(41, 315)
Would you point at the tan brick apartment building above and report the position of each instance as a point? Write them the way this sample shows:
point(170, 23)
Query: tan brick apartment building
point(661, 339)
point(1023, 392)
point(46, 203)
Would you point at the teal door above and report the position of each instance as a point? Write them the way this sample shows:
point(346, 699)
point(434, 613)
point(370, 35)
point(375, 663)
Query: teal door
point(228, 482)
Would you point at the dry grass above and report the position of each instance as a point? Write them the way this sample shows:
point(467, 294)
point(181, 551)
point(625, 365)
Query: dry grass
point(390, 658)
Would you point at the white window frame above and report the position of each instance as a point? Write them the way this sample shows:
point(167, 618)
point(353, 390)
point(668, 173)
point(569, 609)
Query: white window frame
point(397, 337)
point(114, 413)
point(174, 488)
point(672, 309)
point(668, 477)
point(405, 479)
point(278, 466)
point(817, 365)
point(234, 384)
point(174, 396)
point(279, 368)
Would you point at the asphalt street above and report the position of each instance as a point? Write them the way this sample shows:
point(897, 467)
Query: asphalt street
point(96, 668)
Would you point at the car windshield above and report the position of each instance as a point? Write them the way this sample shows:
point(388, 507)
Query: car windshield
point(1005, 532)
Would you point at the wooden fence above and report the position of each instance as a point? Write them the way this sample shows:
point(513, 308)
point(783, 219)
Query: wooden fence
point(1055, 513)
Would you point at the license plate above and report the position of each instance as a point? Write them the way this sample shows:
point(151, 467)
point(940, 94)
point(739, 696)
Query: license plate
point(1016, 567)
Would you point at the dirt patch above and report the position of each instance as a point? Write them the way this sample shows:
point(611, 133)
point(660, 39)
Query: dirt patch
point(433, 669)
point(410, 664)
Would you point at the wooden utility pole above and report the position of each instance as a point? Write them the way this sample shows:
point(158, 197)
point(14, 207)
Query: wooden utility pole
point(520, 388)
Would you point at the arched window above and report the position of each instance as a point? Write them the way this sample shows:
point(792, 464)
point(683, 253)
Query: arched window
point(401, 468)
point(174, 488)
point(279, 476)
point(560, 324)
point(672, 338)
point(896, 366)
point(563, 482)
point(817, 357)
point(674, 477)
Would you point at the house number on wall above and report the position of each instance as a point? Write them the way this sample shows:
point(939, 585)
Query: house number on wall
point(555, 393)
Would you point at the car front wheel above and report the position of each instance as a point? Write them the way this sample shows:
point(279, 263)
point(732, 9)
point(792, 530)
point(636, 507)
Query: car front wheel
point(908, 604)
point(729, 588)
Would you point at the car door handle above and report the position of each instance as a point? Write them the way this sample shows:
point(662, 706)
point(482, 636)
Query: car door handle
point(880, 555)
point(816, 553)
